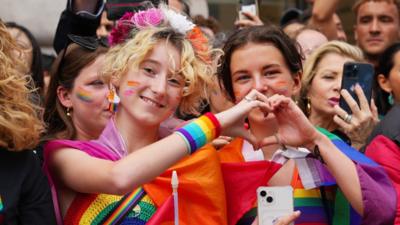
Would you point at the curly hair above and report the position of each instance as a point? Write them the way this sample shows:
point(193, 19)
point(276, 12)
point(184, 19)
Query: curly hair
point(197, 72)
point(20, 126)
point(338, 47)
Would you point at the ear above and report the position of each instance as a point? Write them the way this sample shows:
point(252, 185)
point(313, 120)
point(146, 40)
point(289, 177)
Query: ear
point(384, 83)
point(296, 84)
point(64, 96)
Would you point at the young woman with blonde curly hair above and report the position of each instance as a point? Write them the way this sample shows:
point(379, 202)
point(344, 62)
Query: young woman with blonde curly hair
point(24, 192)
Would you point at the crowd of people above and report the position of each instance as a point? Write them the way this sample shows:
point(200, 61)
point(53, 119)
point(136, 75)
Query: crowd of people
point(127, 103)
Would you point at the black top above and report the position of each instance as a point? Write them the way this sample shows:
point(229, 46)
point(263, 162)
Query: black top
point(25, 196)
point(388, 127)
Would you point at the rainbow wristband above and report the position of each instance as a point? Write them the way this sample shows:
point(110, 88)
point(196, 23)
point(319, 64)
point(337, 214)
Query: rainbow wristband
point(199, 132)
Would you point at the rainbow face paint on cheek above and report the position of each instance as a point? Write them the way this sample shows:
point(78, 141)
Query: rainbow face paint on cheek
point(84, 95)
point(281, 87)
point(132, 86)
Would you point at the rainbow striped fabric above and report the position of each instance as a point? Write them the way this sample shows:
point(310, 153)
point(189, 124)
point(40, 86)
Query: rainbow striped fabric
point(93, 208)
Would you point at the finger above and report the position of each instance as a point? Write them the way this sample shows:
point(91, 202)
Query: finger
point(340, 112)
point(374, 111)
point(343, 124)
point(361, 97)
point(254, 18)
point(219, 143)
point(226, 138)
point(288, 219)
point(350, 101)
point(244, 23)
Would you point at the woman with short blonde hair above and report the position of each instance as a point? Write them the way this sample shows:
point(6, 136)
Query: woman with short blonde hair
point(321, 92)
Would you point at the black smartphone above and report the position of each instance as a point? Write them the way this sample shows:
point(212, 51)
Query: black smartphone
point(250, 6)
point(353, 73)
point(117, 8)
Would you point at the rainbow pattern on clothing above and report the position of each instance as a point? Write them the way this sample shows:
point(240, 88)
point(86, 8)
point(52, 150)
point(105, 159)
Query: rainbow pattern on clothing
point(1, 205)
point(310, 203)
point(93, 208)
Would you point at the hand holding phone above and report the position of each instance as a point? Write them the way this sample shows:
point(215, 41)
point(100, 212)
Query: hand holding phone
point(247, 6)
point(356, 73)
point(274, 203)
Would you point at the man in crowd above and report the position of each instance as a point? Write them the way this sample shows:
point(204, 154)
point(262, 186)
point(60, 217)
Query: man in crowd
point(377, 26)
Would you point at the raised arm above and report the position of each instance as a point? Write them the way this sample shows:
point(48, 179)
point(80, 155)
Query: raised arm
point(296, 130)
point(81, 17)
point(322, 17)
point(83, 173)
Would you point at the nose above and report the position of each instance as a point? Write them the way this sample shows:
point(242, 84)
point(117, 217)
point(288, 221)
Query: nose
point(375, 26)
point(259, 84)
point(159, 85)
point(338, 84)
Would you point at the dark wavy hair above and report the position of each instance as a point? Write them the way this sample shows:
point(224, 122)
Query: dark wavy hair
point(259, 35)
point(386, 63)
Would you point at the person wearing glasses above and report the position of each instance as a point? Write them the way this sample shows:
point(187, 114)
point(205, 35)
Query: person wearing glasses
point(299, 155)
point(25, 196)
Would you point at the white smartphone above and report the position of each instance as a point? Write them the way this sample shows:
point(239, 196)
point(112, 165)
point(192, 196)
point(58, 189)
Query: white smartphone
point(250, 6)
point(273, 203)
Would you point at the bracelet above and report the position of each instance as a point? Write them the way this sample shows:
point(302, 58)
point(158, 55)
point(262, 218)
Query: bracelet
point(199, 132)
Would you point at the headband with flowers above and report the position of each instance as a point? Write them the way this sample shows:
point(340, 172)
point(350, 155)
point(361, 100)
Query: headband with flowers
point(132, 21)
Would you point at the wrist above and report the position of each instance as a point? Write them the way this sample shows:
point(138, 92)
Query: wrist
point(315, 142)
point(200, 132)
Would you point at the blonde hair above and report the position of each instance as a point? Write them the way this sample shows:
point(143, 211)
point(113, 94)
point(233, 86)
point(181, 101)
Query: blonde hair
point(196, 71)
point(20, 126)
point(311, 64)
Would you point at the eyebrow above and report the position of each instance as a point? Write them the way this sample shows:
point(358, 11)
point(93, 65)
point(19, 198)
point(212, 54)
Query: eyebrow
point(273, 66)
point(328, 70)
point(151, 61)
point(269, 66)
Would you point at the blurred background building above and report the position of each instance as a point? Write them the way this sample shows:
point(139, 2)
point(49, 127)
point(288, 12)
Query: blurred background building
point(41, 16)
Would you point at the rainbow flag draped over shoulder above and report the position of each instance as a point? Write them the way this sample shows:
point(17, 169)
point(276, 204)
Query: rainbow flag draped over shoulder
point(242, 179)
point(375, 186)
point(201, 191)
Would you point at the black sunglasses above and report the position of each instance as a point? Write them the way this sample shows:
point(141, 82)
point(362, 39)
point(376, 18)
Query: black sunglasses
point(88, 42)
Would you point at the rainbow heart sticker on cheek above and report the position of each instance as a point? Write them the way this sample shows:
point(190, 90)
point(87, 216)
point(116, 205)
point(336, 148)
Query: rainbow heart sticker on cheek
point(84, 95)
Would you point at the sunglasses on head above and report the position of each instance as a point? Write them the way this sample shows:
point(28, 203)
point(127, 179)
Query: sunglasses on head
point(90, 43)
point(87, 42)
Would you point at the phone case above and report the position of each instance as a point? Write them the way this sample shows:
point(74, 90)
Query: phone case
point(353, 73)
point(250, 6)
point(273, 203)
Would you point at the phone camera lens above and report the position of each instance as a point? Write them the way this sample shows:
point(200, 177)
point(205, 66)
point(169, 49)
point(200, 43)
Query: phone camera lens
point(355, 68)
point(263, 193)
point(270, 199)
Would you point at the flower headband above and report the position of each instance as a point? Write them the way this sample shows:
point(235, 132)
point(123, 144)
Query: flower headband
point(154, 17)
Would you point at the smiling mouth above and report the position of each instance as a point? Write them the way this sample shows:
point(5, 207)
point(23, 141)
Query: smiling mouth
point(152, 102)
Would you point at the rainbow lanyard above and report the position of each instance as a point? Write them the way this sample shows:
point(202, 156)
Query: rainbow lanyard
point(122, 208)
